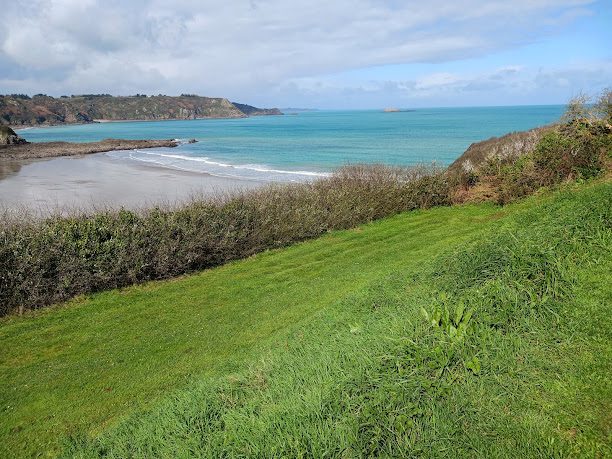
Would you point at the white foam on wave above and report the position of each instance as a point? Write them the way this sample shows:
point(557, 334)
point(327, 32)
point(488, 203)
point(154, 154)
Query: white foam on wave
point(205, 165)
point(254, 167)
point(182, 141)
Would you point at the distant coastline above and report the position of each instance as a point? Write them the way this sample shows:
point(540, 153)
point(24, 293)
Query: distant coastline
point(294, 109)
point(21, 110)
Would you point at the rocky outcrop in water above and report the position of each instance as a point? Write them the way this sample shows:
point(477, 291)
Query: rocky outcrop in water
point(55, 149)
point(9, 137)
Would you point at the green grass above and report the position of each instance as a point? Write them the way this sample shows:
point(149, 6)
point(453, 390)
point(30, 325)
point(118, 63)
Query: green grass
point(86, 364)
point(329, 348)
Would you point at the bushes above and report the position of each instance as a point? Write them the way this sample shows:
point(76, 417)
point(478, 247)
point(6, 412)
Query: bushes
point(516, 165)
point(43, 262)
point(579, 149)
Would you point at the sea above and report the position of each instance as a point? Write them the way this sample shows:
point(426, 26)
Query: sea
point(305, 145)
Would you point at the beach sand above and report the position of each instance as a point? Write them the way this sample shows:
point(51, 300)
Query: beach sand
point(95, 181)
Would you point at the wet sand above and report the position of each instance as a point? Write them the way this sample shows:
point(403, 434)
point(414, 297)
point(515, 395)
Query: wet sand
point(95, 181)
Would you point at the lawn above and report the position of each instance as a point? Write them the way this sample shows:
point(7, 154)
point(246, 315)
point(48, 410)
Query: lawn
point(84, 365)
point(460, 332)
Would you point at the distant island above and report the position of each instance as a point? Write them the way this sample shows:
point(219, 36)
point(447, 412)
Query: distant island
point(20, 110)
point(398, 110)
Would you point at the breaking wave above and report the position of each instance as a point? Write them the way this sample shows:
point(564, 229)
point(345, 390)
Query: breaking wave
point(206, 165)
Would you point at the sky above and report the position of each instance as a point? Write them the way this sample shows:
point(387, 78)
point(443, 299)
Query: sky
point(330, 54)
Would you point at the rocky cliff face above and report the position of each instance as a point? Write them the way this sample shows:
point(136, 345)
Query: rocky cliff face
point(249, 110)
point(44, 110)
point(509, 146)
point(9, 137)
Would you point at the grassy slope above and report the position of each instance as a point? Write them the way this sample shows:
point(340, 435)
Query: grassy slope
point(85, 365)
point(327, 350)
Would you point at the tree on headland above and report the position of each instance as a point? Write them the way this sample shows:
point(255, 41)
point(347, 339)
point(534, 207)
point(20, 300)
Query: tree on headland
point(582, 107)
point(603, 107)
point(577, 108)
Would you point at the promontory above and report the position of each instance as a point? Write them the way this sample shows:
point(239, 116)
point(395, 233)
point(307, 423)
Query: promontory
point(22, 110)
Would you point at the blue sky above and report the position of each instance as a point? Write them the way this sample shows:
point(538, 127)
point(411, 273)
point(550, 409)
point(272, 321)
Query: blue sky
point(341, 54)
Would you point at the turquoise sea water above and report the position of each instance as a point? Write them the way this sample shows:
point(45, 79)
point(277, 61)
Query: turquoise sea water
point(298, 147)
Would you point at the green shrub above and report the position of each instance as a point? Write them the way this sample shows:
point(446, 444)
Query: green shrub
point(579, 149)
point(43, 262)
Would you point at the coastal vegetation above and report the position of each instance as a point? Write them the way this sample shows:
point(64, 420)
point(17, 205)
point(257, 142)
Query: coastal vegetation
point(518, 164)
point(473, 330)
point(51, 260)
point(20, 110)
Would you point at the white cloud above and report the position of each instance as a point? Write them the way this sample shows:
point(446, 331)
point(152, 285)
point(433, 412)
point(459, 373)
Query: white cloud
point(436, 80)
point(508, 85)
point(242, 47)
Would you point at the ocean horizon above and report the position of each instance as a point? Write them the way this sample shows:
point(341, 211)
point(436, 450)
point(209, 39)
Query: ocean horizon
point(293, 148)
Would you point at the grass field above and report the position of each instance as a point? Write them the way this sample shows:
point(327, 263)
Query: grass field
point(453, 332)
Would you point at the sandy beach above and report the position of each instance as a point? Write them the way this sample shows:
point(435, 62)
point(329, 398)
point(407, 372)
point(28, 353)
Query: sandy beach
point(97, 181)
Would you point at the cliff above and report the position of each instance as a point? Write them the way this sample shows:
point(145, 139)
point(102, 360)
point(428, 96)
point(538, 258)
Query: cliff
point(19, 110)
point(249, 110)
point(507, 147)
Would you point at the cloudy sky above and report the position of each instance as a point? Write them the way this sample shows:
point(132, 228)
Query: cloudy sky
point(316, 53)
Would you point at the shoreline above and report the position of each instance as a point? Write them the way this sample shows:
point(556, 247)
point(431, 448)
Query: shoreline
point(69, 184)
point(40, 150)
point(19, 127)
